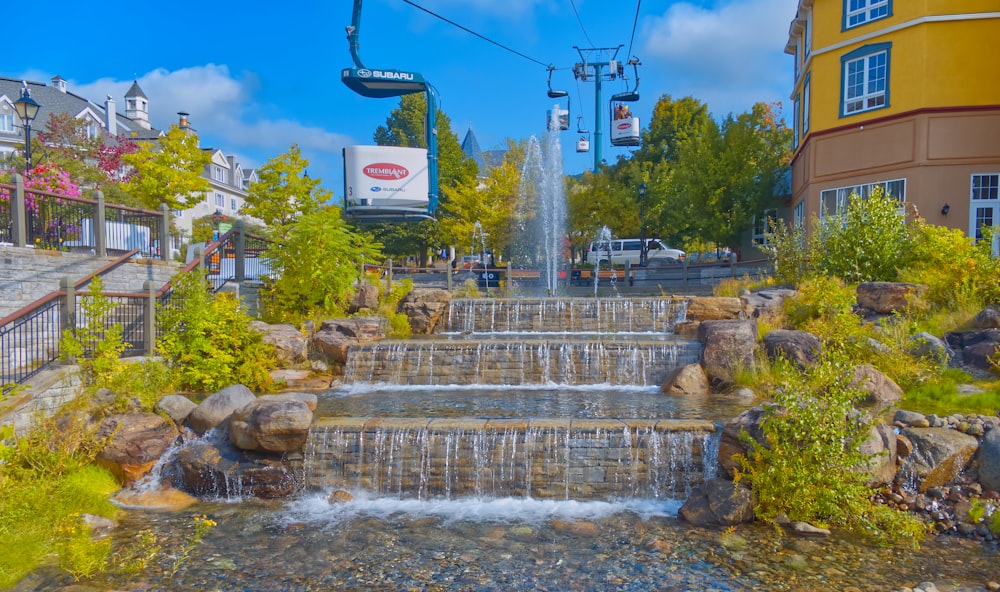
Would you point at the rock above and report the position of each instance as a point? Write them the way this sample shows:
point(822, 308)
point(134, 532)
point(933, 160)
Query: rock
point(730, 442)
point(218, 407)
point(714, 308)
point(365, 299)
point(801, 347)
point(340, 496)
point(888, 297)
point(167, 498)
point(216, 469)
point(271, 423)
point(718, 502)
point(989, 460)
point(177, 407)
point(904, 447)
point(880, 448)
point(939, 455)
point(988, 318)
point(925, 345)
point(766, 301)
point(135, 441)
point(336, 336)
point(728, 345)
point(424, 307)
point(576, 527)
point(100, 527)
point(911, 418)
point(290, 345)
point(804, 528)
point(686, 380)
point(974, 348)
point(881, 390)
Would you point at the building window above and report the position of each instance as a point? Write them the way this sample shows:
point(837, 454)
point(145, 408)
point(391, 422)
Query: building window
point(799, 215)
point(220, 200)
point(833, 202)
point(805, 107)
point(859, 12)
point(797, 110)
point(985, 208)
point(7, 115)
point(985, 187)
point(233, 205)
point(807, 35)
point(762, 225)
point(91, 129)
point(219, 174)
point(865, 79)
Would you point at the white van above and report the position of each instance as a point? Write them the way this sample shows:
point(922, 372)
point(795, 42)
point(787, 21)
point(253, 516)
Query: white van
point(620, 251)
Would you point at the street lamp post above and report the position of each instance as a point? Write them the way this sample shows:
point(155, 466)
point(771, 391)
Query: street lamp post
point(643, 248)
point(217, 218)
point(27, 109)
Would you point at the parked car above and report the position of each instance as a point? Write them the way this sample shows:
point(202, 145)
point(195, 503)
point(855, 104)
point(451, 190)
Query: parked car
point(620, 251)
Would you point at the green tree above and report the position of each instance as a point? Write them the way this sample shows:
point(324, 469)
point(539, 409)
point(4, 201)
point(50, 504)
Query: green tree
point(169, 171)
point(284, 192)
point(317, 265)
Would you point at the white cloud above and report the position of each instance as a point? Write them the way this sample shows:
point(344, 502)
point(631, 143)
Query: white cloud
point(223, 110)
point(729, 56)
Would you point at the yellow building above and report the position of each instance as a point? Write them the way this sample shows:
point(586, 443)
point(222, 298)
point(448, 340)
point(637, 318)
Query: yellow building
point(903, 94)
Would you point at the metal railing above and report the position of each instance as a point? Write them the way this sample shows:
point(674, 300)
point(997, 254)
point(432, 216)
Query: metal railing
point(46, 220)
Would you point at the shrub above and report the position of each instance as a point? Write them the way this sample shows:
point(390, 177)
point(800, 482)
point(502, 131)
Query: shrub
point(788, 250)
point(317, 265)
point(808, 465)
point(958, 272)
point(868, 243)
point(208, 342)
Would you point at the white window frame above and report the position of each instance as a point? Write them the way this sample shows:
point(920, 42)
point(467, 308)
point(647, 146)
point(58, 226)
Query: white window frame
point(838, 197)
point(91, 128)
point(220, 200)
point(805, 106)
point(8, 116)
point(761, 226)
point(233, 205)
point(799, 215)
point(218, 174)
point(860, 12)
point(984, 206)
point(865, 79)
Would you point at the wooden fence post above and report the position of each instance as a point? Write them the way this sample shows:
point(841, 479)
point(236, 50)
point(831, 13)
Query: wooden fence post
point(18, 213)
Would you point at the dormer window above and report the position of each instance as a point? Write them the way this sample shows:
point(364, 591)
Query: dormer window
point(218, 174)
point(91, 129)
point(7, 118)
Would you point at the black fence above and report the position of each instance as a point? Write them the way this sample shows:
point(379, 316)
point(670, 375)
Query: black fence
point(60, 222)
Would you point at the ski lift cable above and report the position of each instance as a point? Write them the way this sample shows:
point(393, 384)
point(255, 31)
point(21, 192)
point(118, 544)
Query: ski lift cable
point(635, 22)
point(582, 28)
point(470, 31)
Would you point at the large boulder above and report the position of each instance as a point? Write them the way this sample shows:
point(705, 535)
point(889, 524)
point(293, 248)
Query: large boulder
point(686, 380)
point(177, 407)
point(729, 345)
point(714, 308)
point(215, 469)
point(274, 423)
point(218, 407)
point(880, 448)
point(989, 460)
point(888, 297)
point(928, 346)
point(880, 390)
point(291, 346)
point(135, 442)
point(765, 301)
point(801, 347)
point(424, 308)
point(939, 455)
point(335, 337)
point(988, 318)
point(731, 442)
point(365, 299)
point(718, 502)
point(975, 348)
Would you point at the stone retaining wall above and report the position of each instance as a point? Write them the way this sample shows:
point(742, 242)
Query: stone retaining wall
point(551, 458)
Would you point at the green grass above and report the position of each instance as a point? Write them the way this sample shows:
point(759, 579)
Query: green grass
point(942, 397)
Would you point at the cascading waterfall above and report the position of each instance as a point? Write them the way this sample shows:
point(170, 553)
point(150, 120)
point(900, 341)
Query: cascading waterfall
point(543, 458)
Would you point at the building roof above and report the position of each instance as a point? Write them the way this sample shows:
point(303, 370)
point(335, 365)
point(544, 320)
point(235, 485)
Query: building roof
point(135, 91)
point(53, 100)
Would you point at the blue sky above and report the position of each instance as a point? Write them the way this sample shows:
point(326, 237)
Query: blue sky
point(258, 76)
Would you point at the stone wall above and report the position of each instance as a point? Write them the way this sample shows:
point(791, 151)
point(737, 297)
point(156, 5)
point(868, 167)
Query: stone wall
point(551, 458)
point(42, 396)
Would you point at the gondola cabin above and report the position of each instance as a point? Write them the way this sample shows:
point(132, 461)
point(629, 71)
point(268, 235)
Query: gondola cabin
point(557, 119)
point(385, 181)
point(624, 126)
point(583, 144)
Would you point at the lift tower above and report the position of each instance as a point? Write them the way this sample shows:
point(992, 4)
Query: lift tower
point(587, 70)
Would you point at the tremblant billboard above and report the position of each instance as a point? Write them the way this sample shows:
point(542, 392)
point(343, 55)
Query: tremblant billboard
point(387, 177)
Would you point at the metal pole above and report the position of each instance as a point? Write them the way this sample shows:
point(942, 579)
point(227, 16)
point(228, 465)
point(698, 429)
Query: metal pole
point(27, 147)
point(598, 108)
point(149, 317)
point(100, 226)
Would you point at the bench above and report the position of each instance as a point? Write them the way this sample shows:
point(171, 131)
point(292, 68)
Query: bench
point(585, 277)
